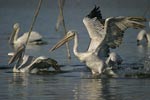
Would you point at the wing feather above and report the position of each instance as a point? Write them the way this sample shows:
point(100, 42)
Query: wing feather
point(42, 63)
point(108, 33)
point(116, 26)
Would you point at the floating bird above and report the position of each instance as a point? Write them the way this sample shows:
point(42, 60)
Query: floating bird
point(143, 35)
point(35, 37)
point(30, 64)
point(104, 34)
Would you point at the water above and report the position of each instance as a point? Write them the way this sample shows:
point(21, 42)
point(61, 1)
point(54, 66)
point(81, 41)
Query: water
point(74, 83)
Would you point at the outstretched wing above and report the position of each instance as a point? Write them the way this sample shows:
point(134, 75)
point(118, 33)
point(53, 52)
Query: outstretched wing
point(108, 33)
point(42, 63)
point(95, 13)
point(115, 27)
point(95, 27)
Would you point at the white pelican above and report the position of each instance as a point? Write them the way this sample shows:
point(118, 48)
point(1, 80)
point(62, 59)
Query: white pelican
point(143, 35)
point(35, 37)
point(103, 33)
point(30, 64)
point(92, 61)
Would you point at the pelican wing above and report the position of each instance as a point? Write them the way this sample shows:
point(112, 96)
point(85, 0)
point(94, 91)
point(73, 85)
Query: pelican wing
point(94, 23)
point(42, 63)
point(106, 33)
point(115, 27)
point(95, 27)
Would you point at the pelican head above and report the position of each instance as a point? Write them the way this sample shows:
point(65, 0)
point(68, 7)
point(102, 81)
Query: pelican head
point(70, 35)
point(16, 26)
point(14, 34)
point(54, 64)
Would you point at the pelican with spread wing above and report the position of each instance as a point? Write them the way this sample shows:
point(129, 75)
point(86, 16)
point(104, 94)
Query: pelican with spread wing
point(35, 37)
point(104, 34)
point(108, 33)
point(30, 64)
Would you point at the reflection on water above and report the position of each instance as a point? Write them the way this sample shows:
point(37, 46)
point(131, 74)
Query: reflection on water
point(88, 89)
point(57, 87)
point(94, 89)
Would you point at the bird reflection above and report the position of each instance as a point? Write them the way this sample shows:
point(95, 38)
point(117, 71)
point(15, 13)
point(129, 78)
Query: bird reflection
point(18, 86)
point(94, 89)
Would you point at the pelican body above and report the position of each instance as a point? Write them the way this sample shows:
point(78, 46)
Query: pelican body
point(104, 34)
point(35, 37)
point(30, 64)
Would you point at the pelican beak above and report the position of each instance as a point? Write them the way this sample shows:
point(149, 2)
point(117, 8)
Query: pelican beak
point(66, 38)
point(11, 39)
point(17, 55)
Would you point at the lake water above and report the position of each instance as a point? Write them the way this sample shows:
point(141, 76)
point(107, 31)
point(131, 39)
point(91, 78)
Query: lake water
point(74, 83)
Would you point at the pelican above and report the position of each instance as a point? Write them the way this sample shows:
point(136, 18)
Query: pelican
point(92, 61)
point(104, 34)
point(143, 35)
point(35, 37)
point(30, 64)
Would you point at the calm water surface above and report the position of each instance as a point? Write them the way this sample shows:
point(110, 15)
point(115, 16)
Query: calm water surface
point(75, 82)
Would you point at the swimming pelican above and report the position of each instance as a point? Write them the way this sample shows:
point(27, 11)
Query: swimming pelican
point(143, 35)
point(30, 64)
point(103, 33)
point(35, 37)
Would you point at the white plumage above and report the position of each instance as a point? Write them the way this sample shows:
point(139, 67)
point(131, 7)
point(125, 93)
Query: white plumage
point(35, 37)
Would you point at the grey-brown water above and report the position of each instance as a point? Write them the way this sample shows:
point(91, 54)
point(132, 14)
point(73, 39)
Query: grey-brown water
point(74, 83)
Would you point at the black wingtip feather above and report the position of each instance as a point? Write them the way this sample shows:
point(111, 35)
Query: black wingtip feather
point(95, 13)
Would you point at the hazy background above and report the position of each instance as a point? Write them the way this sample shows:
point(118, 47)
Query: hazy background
point(22, 11)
